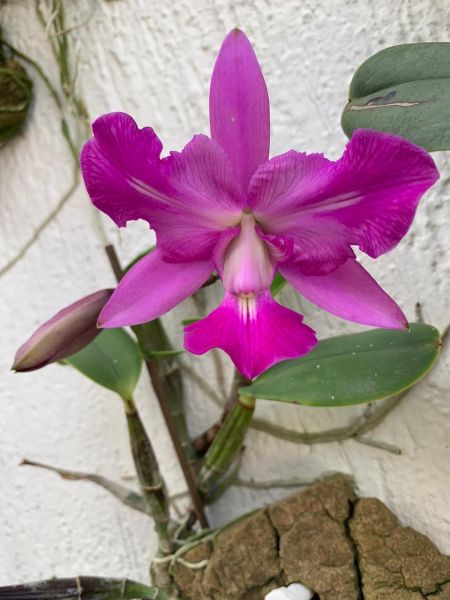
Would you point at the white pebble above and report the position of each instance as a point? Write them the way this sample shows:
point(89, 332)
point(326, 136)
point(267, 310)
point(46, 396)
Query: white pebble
point(295, 591)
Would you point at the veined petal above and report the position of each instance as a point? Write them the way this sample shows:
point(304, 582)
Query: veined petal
point(256, 332)
point(239, 107)
point(188, 197)
point(206, 200)
point(279, 192)
point(151, 288)
point(367, 198)
point(116, 162)
point(348, 292)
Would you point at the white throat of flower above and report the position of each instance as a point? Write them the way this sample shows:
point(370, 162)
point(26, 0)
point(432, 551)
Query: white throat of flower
point(247, 307)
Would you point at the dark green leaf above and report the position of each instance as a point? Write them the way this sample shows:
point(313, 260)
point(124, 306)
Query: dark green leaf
point(352, 369)
point(82, 588)
point(112, 360)
point(404, 90)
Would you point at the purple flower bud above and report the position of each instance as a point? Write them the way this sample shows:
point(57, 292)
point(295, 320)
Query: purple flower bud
point(70, 330)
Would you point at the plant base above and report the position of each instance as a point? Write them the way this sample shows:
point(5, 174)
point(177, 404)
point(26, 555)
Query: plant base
point(341, 546)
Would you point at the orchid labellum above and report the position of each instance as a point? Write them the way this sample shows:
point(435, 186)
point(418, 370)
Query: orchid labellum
point(222, 205)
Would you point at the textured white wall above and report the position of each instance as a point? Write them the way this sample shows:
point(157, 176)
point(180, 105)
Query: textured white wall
point(154, 59)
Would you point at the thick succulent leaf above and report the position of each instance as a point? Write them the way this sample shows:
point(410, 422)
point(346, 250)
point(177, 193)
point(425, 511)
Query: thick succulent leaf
point(82, 588)
point(352, 369)
point(404, 90)
point(112, 360)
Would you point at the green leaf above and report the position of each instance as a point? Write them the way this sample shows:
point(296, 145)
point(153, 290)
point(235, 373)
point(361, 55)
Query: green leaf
point(86, 588)
point(277, 284)
point(404, 90)
point(112, 360)
point(352, 369)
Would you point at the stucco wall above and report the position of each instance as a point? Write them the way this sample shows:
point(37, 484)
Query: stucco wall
point(154, 59)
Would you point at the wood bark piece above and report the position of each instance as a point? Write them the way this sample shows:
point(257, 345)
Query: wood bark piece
point(340, 546)
point(396, 562)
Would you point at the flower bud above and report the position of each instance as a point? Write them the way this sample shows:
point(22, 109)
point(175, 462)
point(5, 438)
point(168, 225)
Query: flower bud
point(15, 95)
point(70, 330)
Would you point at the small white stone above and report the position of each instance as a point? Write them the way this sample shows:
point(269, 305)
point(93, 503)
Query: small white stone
point(295, 591)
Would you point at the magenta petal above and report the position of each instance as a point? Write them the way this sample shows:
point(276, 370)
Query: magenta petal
point(205, 200)
point(151, 288)
point(255, 337)
point(280, 193)
point(115, 165)
point(188, 197)
point(368, 198)
point(349, 292)
point(385, 176)
point(239, 107)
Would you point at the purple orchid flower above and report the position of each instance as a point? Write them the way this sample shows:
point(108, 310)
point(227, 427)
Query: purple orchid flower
point(222, 205)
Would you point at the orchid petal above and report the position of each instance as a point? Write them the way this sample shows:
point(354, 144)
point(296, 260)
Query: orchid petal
point(367, 198)
point(188, 197)
point(349, 292)
point(255, 332)
point(239, 107)
point(151, 288)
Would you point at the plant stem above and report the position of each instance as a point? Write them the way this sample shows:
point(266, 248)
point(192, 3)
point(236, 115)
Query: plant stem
point(226, 445)
point(158, 386)
point(203, 441)
point(150, 480)
point(82, 588)
point(167, 386)
point(153, 338)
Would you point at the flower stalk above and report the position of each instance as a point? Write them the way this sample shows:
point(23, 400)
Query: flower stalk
point(150, 479)
point(226, 445)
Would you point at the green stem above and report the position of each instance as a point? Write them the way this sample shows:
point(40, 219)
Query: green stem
point(153, 338)
point(150, 480)
point(204, 440)
point(86, 588)
point(167, 391)
point(226, 445)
